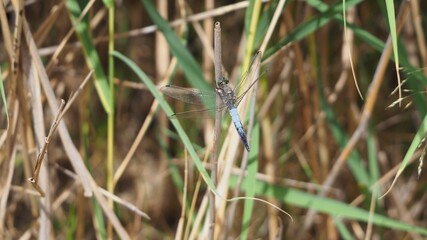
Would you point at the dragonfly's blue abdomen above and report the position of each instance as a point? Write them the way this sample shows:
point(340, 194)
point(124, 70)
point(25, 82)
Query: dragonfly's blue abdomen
point(239, 127)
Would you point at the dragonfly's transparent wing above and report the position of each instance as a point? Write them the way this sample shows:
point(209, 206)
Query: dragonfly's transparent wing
point(249, 74)
point(196, 97)
point(189, 95)
point(199, 113)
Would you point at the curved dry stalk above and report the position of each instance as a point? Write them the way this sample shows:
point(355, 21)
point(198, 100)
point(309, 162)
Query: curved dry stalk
point(63, 108)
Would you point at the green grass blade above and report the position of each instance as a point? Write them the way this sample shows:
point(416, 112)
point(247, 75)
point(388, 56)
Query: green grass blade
point(168, 110)
point(108, 3)
point(91, 56)
point(418, 139)
point(252, 170)
point(4, 102)
point(187, 63)
point(392, 25)
point(416, 82)
point(342, 229)
point(325, 205)
point(71, 225)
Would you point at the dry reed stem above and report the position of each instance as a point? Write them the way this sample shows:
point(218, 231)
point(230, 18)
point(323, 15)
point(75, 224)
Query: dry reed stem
point(46, 26)
point(206, 37)
point(180, 228)
point(214, 161)
point(161, 50)
point(366, 114)
point(17, 34)
point(9, 166)
point(416, 21)
point(7, 37)
point(42, 181)
point(272, 25)
point(76, 160)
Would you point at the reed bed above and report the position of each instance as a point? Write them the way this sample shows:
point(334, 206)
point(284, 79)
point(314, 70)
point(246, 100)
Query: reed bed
point(336, 120)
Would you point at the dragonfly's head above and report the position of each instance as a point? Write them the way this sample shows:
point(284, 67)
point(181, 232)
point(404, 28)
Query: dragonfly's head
point(223, 81)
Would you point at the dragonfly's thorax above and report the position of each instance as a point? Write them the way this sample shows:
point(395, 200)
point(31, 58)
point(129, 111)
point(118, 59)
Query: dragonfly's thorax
point(226, 93)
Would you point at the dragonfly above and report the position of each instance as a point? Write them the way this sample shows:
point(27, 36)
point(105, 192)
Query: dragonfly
point(228, 96)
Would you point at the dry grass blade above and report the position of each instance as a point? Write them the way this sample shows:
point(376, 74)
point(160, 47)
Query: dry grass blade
point(180, 228)
point(416, 19)
point(62, 110)
point(35, 178)
point(6, 178)
point(7, 37)
point(17, 34)
point(43, 32)
point(272, 25)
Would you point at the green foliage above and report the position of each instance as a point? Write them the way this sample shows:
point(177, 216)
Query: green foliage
point(91, 55)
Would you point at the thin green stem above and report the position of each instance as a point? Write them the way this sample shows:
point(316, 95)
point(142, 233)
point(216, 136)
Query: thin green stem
point(110, 147)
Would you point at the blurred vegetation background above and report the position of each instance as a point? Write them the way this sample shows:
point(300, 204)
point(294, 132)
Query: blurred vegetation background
point(116, 167)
